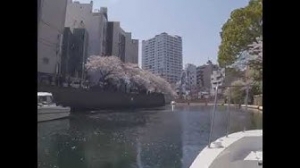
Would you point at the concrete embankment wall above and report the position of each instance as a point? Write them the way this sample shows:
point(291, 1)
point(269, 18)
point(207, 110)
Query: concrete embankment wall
point(79, 99)
point(256, 107)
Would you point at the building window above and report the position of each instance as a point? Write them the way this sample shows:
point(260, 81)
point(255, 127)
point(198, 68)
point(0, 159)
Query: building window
point(46, 60)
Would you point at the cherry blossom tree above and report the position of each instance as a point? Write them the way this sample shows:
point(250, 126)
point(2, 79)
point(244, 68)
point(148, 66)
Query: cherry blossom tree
point(251, 57)
point(111, 71)
point(103, 69)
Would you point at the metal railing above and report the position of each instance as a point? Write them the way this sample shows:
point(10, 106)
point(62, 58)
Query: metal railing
point(212, 117)
point(228, 111)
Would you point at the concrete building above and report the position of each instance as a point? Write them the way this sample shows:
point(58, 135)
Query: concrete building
point(131, 49)
point(74, 54)
point(50, 35)
point(162, 55)
point(80, 41)
point(217, 79)
point(204, 75)
point(191, 80)
point(95, 24)
point(180, 85)
point(79, 14)
point(67, 52)
point(187, 84)
point(116, 40)
point(98, 33)
point(105, 38)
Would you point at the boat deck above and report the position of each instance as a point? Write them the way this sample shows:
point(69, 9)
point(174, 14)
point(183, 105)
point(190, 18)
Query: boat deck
point(238, 150)
point(237, 154)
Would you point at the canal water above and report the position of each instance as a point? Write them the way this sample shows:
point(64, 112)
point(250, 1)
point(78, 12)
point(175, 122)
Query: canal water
point(153, 138)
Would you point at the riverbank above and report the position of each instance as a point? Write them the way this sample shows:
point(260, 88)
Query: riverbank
point(92, 99)
point(249, 107)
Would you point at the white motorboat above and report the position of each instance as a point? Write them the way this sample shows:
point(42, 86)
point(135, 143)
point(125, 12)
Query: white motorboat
point(173, 102)
point(48, 110)
point(241, 149)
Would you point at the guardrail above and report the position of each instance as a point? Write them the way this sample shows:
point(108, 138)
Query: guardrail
point(212, 118)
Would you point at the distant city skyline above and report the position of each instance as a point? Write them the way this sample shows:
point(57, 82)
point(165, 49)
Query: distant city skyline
point(198, 22)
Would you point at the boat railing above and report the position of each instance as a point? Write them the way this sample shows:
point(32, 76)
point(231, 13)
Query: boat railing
point(228, 109)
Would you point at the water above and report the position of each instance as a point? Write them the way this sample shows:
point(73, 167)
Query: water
point(156, 138)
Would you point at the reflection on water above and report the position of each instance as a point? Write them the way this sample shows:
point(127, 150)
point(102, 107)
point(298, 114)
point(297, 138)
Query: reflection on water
point(163, 137)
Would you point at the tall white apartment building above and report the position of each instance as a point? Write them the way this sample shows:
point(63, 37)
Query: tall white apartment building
point(51, 20)
point(162, 55)
point(82, 15)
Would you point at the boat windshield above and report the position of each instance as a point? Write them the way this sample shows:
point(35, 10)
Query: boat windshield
point(45, 99)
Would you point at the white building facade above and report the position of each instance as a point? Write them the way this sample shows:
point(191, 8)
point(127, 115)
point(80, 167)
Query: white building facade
point(162, 55)
point(51, 20)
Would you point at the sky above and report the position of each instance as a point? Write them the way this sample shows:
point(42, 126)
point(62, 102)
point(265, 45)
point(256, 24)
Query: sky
point(198, 22)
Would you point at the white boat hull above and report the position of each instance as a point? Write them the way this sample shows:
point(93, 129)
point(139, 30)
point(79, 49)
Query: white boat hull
point(52, 113)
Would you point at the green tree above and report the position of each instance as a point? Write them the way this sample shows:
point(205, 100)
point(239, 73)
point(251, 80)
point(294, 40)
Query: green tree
point(240, 30)
point(255, 74)
point(236, 92)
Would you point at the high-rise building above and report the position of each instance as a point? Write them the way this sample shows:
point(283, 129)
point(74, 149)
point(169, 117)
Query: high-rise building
point(105, 38)
point(97, 32)
point(95, 23)
point(115, 39)
point(50, 35)
point(74, 53)
point(162, 55)
point(131, 49)
point(78, 13)
point(67, 52)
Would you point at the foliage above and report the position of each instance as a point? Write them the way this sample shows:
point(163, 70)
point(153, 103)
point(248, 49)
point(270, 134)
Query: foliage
point(240, 30)
point(255, 75)
point(237, 92)
point(110, 72)
point(103, 69)
point(255, 89)
point(255, 63)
